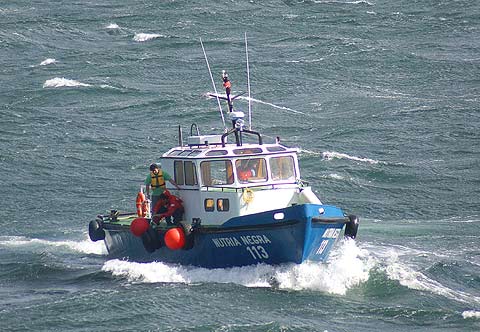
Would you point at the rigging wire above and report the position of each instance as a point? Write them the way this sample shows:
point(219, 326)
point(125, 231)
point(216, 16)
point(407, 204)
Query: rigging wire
point(213, 83)
point(248, 85)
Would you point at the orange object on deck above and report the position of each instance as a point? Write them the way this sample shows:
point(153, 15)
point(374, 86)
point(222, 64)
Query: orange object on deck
point(142, 204)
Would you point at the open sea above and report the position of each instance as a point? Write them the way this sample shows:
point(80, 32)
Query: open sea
point(381, 97)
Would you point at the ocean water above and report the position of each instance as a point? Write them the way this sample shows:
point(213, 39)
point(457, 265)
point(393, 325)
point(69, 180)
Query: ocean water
point(382, 98)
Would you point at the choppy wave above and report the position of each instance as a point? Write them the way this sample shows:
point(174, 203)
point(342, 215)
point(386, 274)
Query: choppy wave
point(85, 246)
point(59, 82)
point(335, 176)
point(359, 2)
point(471, 314)
point(329, 155)
point(47, 62)
point(143, 37)
point(112, 26)
point(409, 277)
point(348, 267)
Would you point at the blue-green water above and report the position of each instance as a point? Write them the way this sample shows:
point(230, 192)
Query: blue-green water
point(381, 97)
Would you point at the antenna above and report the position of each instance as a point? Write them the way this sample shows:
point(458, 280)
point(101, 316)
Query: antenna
point(248, 86)
point(213, 83)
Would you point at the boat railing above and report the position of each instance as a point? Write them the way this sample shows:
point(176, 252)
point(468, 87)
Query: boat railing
point(270, 186)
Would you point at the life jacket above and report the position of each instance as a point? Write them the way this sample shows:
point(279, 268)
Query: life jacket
point(157, 180)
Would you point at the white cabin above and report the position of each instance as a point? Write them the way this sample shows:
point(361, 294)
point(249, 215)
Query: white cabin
point(220, 181)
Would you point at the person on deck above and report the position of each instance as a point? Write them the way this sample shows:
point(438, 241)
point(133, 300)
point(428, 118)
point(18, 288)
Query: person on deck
point(168, 206)
point(156, 181)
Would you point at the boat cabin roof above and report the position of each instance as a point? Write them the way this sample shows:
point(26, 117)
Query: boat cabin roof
point(208, 151)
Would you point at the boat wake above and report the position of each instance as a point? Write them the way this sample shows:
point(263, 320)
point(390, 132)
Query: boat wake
point(347, 267)
point(85, 246)
point(392, 261)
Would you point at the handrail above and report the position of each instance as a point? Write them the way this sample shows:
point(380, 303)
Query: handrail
point(236, 131)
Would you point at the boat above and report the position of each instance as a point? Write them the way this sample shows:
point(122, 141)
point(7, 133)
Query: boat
point(268, 215)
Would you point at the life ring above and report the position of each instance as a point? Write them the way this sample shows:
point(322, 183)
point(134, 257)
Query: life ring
point(141, 205)
point(247, 195)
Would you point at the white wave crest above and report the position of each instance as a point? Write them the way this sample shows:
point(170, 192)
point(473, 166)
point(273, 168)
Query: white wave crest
point(471, 314)
point(58, 82)
point(112, 26)
point(310, 152)
point(142, 37)
point(329, 155)
point(85, 246)
point(407, 276)
point(335, 176)
point(345, 270)
point(359, 2)
point(47, 62)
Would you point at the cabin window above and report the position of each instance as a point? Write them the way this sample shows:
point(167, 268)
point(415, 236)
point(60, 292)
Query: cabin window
point(216, 153)
point(175, 153)
point(276, 148)
point(209, 204)
point(223, 204)
point(251, 170)
point(185, 173)
point(247, 151)
point(190, 174)
point(195, 153)
point(216, 172)
point(179, 176)
point(283, 168)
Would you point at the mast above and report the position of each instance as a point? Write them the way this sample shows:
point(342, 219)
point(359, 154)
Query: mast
point(238, 124)
point(235, 116)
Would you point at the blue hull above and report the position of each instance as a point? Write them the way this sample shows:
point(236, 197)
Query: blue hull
point(293, 234)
